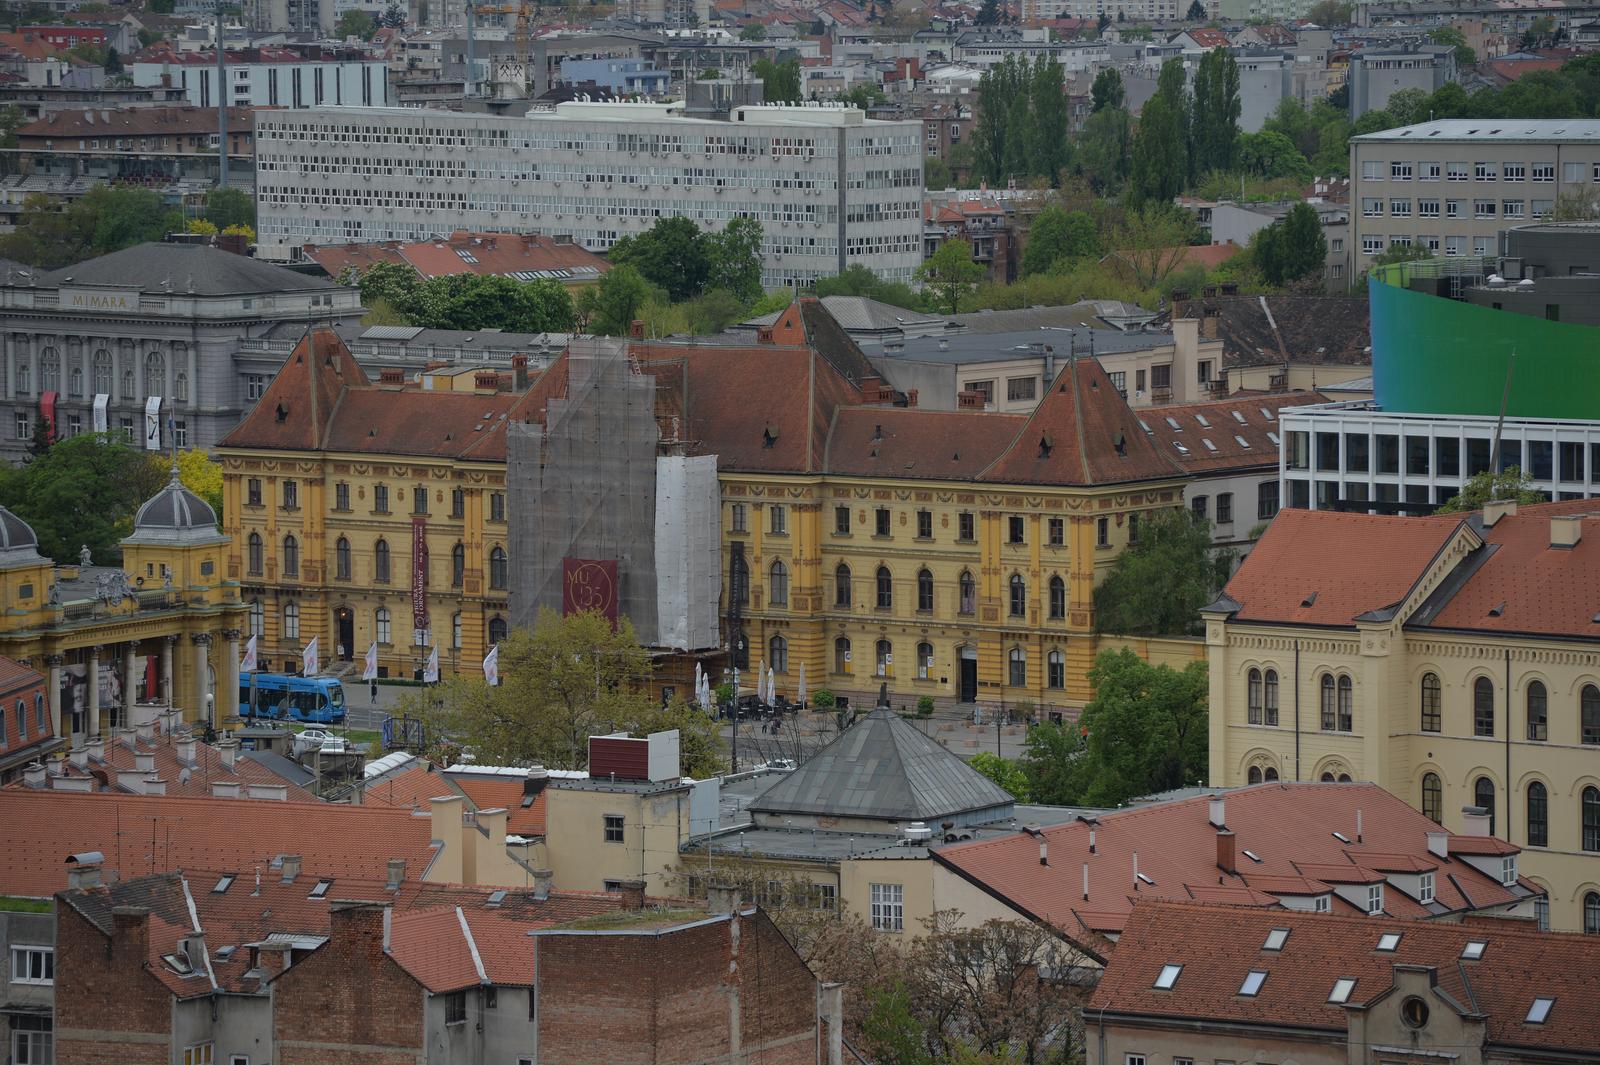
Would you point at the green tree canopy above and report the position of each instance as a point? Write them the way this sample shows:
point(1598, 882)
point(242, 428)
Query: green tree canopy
point(1159, 583)
point(734, 259)
point(1269, 154)
point(1107, 90)
point(1487, 487)
point(1104, 148)
point(1058, 236)
point(951, 273)
point(1293, 248)
point(1216, 111)
point(780, 82)
point(1003, 771)
point(1147, 729)
point(753, 31)
point(230, 207)
point(83, 490)
point(673, 254)
point(475, 301)
point(858, 280)
point(1159, 155)
point(610, 307)
point(355, 23)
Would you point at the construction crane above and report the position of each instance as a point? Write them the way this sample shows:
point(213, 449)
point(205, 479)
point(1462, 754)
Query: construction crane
point(523, 22)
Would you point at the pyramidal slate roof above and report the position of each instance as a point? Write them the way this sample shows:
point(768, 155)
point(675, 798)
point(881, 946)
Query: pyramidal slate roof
point(884, 768)
point(185, 269)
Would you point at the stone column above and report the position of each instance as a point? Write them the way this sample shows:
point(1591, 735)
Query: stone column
point(94, 723)
point(130, 685)
point(203, 711)
point(63, 724)
point(166, 668)
point(228, 681)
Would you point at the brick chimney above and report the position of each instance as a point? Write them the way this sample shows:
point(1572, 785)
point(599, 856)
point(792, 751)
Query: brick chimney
point(1496, 509)
point(519, 373)
point(542, 880)
point(1227, 860)
point(632, 892)
point(636, 329)
point(722, 898)
point(391, 376)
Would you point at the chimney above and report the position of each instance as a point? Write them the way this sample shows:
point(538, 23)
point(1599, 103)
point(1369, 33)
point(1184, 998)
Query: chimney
point(79, 756)
point(391, 376)
point(1092, 848)
point(542, 880)
point(519, 373)
point(1496, 509)
point(1474, 821)
point(291, 867)
point(72, 784)
point(1566, 531)
point(185, 749)
point(145, 761)
point(1044, 850)
point(147, 731)
point(1136, 870)
point(833, 1016)
point(224, 789)
point(155, 786)
point(129, 738)
point(1226, 858)
point(1218, 811)
point(1439, 844)
point(1358, 826)
point(722, 898)
point(1208, 323)
point(228, 753)
point(97, 748)
point(84, 870)
point(632, 892)
point(270, 792)
point(34, 775)
point(132, 780)
point(636, 329)
point(396, 875)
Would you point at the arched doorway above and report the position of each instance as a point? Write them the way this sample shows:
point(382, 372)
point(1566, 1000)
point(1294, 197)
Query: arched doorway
point(967, 660)
point(344, 627)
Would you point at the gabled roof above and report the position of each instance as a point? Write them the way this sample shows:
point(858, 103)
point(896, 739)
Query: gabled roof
point(1082, 433)
point(1218, 945)
point(912, 443)
point(196, 269)
point(883, 768)
point(1222, 435)
point(1270, 330)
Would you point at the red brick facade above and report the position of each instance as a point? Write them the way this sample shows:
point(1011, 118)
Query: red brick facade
point(104, 994)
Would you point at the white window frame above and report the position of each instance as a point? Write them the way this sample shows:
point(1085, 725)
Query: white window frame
point(1374, 899)
point(888, 907)
point(22, 957)
point(1425, 889)
point(1508, 870)
point(199, 1054)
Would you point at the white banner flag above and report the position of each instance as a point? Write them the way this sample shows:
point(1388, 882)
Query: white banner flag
point(369, 669)
point(491, 666)
point(309, 662)
point(248, 665)
point(430, 672)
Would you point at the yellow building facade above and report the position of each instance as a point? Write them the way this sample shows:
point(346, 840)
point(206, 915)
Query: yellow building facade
point(1447, 660)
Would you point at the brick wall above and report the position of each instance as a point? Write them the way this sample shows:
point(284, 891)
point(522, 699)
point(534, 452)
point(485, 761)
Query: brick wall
point(348, 1003)
point(103, 993)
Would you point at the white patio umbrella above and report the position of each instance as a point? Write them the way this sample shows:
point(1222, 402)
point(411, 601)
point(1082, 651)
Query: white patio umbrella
point(772, 687)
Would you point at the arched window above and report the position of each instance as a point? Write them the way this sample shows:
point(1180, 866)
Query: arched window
point(1058, 598)
point(1538, 815)
point(380, 561)
point(458, 565)
point(291, 556)
point(968, 597)
point(1591, 913)
point(24, 377)
point(883, 657)
point(1431, 713)
point(1327, 687)
point(1254, 775)
point(1055, 669)
point(1538, 711)
point(885, 589)
point(75, 380)
point(841, 588)
point(1271, 774)
point(385, 631)
point(455, 631)
point(155, 374)
point(778, 654)
point(1591, 818)
point(1483, 707)
point(778, 587)
point(38, 711)
point(102, 372)
point(180, 387)
point(258, 618)
point(1271, 687)
point(253, 554)
point(497, 629)
point(497, 569)
point(341, 559)
point(1346, 705)
point(1589, 714)
point(1018, 662)
point(1018, 589)
point(128, 391)
point(1252, 699)
point(924, 590)
point(291, 621)
point(49, 370)
point(1483, 797)
point(924, 660)
point(22, 721)
point(1432, 798)
point(841, 655)
point(1327, 778)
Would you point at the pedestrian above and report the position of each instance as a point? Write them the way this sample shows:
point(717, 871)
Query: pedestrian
point(372, 689)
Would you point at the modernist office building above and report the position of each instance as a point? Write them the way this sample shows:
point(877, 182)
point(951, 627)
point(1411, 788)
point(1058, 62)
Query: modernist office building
point(830, 187)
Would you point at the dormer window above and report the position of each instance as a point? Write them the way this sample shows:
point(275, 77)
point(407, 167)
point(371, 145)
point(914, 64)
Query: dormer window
point(1508, 870)
point(1425, 889)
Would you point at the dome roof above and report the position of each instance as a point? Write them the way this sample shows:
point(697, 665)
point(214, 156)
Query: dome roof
point(174, 515)
point(19, 544)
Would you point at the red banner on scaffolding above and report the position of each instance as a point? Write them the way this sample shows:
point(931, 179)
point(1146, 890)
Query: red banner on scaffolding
point(590, 584)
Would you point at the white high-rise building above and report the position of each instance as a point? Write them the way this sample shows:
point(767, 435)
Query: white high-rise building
point(830, 187)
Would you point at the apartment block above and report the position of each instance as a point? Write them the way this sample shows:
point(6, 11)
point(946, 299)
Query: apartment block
point(830, 187)
point(1454, 184)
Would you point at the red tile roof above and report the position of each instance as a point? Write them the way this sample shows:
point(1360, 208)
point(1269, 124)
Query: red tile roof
point(190, 779)
point(136, 122)
point(1218, 945)
point(1321, 567)
point(412, 788)
point(907, 442)
point(523, 256)
point(1228, 434)
point(140, 835)
point(1289, 827)
point(489, 792)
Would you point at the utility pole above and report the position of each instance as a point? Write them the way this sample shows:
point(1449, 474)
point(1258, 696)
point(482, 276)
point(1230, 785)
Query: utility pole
point(222, 105)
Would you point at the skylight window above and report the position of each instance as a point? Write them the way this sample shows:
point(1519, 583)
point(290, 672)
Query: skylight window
point(1144, 425)
point(1238, 417)
point(1275, 939)
point(1342, 989)
point(1539, 1012)
point(1201, 418)
point(1273, 437)
point(1206, 440)
point(1181, 449)
point(1473, 951)
point(1174, 423)
point(1341, 837)
point(1252, 983)
point(495, 898)
point(1253, 856)
point(1242, 441)
point(1389, 941)
point(224, 884)
point(1147, 880)
point(1268, 415)
point(1168, 977)
point(321, 890)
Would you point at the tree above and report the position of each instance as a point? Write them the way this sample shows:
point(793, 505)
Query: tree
point(1159, 157)
point(1271, 155)
point(988, 14)
point(734, 259)
point(1292, 248)
point(1173, 89)
point(672, 255)
point(951, 272)
point(1153, 241)
point(780, 82)
point(355, 23)
point(891, 1033)
point(394, 283)
point(1146, 729)
point(1465, 56)
point(863, 95)
point(393, 17)
point(1330, 13)
point(857, 280)
point(1051, 761)
point(1216, 111)
point(610, 307)
point(1196, 12)
point(113, 63)
point(1104, 148)
point(83, 490)
point(202, 476)
point(1159, 583)
point(1509, 484)
point(1008, 774)
point(1002, 101)
point(713, 312)
point(1059, 236)
point(1107, 90)
point(936, 173)
point(1048, 91)
point(230, 207)
point(753, 31)
point(476, 301)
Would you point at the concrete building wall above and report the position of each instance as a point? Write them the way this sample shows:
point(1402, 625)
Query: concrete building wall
point(655, 823)
point(348, 83)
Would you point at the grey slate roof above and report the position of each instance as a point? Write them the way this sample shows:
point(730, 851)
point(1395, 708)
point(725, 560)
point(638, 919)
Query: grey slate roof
point(884, 768)
point(183, 269)
point(19, 544)
point(175, 515)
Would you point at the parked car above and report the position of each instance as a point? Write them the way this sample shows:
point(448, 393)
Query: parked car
point(315, 739)
point(779, 765)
